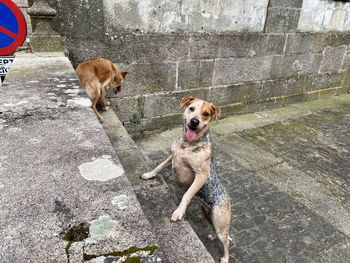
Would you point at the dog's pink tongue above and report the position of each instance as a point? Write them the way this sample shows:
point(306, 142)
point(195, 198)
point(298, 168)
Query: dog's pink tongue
point(190, 135)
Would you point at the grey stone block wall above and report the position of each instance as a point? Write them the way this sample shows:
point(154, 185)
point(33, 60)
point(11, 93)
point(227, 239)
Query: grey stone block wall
point(237, 70)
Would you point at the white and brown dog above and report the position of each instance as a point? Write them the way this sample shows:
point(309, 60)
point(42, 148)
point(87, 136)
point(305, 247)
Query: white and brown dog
point(98, 76)
point(192, 160)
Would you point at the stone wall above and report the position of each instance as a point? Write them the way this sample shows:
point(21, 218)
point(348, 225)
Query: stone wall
point(241, 66)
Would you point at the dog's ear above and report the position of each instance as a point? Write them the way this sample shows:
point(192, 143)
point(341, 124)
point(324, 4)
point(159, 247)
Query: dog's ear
point(185, 101)
point(124, 73)
point(216, 111)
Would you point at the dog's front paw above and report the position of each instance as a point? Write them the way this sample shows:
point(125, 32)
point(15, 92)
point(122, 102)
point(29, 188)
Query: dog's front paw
point(147, 176)
point(224, 260)
point(177, 215)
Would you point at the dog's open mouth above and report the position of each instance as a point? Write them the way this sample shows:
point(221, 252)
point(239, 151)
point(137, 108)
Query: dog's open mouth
point(190, 133)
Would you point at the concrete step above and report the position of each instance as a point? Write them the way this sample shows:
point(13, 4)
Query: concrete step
point(64, 194)
point(178, 241)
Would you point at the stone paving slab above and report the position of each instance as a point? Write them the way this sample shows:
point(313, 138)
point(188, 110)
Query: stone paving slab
point(283, 209)
point(64, 196)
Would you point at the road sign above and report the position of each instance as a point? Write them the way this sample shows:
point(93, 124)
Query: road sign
point(13, 27)
point(5, 64)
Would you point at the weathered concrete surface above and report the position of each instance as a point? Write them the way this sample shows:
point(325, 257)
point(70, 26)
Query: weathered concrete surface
point(187, 15)
point(319, 15)
point(64, 194)
point(287, 173)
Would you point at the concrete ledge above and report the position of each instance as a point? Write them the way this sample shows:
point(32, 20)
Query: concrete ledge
point(64, 194)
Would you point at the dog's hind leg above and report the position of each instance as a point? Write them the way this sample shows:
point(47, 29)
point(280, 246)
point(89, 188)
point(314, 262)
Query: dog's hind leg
point(156, 170)
point(206, 209)
point(104, 96)
point(94, 95)
point(93, 106)
point(221, 216)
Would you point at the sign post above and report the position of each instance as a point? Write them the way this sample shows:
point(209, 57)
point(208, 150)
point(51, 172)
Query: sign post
point(13, 32)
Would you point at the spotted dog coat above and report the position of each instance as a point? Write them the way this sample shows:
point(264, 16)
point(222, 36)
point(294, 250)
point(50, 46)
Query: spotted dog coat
point(212, 192)
point(195, 171)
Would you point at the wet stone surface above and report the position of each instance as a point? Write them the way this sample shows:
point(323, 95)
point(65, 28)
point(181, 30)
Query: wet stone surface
point(318, 145)
point(268, 224)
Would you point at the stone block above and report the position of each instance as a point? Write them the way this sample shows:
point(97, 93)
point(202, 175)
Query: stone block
point(282, 20)
point(276, 44)
point(282, 87)
point(149, 125)
point(84, 49)
point(246, 92)
point(346, 62)
point(126, 107)
point(299, 43)
point(286, 3)
point(206, 69)
point(149, 78)
point(241, 45)
point(195, 74)
point(320, 42)
point(209, 16)
point(237, 70)
point(323, 81)
point(74, 19)
point(147, 48)
point(227, 45)
point(292, 65)
point(21, 3)
point(346, 81)
point(235, 108)
point(332, 59)
point(168, 103)
point(323, 93)
point(188, 74)
point(204, 46)
point(337, 39)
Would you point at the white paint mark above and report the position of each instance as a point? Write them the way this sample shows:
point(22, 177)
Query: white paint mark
point(2, 123)
point(87, 145)
point(121, 201)
point(79, 101)
point(16, 103)
point(71, 91)
point(61, 85)
point(13, 130)
point(100, 170)
point(33, 141)
point(206, 15)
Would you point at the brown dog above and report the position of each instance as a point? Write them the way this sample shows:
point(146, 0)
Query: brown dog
point(192, 160)
point(98, 76)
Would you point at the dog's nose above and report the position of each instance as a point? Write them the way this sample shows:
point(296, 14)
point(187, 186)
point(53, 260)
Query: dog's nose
point(194, 122)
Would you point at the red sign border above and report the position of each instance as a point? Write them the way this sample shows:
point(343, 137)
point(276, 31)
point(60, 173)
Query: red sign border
point(22, 28)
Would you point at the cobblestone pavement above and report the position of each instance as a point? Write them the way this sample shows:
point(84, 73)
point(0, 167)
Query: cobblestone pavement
point(288, 181)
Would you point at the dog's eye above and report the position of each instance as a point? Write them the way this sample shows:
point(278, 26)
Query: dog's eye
point(206, 114)
point(191, 108)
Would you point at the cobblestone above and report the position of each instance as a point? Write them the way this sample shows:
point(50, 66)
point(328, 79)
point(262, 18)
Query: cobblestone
point(282, 178)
